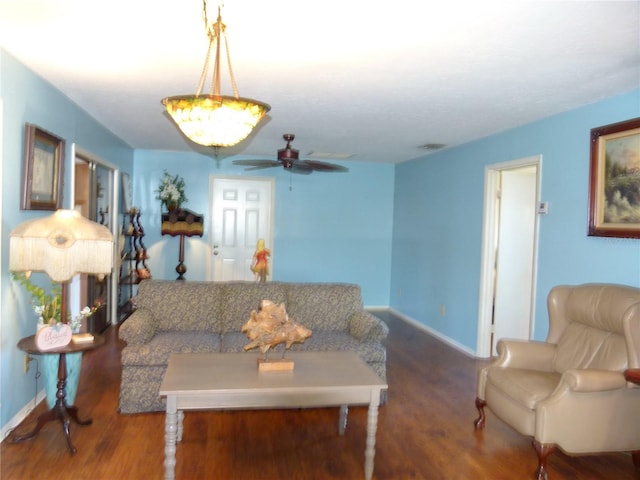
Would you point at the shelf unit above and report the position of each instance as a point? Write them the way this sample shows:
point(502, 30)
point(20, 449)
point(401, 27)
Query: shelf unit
point(133, 262)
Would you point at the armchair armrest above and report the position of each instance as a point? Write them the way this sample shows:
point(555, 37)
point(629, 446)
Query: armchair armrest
point(139, 328)
point(592, 380)
point(366, 327)
point(531, 355)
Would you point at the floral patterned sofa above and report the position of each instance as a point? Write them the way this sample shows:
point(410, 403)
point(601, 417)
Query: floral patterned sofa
point(183, 316)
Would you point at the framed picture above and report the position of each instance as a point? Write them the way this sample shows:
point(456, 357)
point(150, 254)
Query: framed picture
point(43, 168)
point(614, 180)
point(127, 195)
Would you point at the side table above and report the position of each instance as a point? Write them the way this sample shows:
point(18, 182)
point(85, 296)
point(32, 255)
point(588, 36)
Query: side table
point(60, 411)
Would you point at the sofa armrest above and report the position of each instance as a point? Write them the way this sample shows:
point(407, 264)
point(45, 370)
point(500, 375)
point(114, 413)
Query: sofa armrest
point(366, 327)
point(531, 355)
point(139, 328)
point(592, 380)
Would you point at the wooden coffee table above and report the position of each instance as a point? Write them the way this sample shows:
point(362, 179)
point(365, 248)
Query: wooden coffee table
point(202, 381)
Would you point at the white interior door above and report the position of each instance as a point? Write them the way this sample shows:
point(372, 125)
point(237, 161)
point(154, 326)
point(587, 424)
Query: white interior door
point(242, 213)
point(515, 255)
point(509, 252)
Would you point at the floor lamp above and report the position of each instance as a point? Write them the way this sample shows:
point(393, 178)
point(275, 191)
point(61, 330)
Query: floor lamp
point(61, 245)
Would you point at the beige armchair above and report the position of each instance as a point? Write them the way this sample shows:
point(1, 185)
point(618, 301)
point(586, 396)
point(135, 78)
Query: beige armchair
point(570, 392)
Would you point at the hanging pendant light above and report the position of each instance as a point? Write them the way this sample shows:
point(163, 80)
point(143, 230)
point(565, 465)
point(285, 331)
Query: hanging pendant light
point(215, 120)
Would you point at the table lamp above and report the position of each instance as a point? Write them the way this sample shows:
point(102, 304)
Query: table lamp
point(61, 245)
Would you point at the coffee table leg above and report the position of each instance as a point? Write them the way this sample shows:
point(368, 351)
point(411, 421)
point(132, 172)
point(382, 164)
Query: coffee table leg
point(170, 434)
point(342, 422)
point(372, 427)
point(180, 422)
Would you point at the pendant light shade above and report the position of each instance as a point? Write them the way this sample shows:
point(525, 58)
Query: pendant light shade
point(215, 120)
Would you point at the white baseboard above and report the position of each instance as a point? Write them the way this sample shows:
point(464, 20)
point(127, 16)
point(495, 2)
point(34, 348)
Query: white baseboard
point(449, 341)
point(22, 414)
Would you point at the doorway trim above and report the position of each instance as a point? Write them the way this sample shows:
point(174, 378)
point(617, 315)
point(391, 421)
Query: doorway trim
point(488, 259)
point(113, 217)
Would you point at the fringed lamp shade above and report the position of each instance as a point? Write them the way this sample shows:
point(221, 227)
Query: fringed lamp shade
point(61, 245)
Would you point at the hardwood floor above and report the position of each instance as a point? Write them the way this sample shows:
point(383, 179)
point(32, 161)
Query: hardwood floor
point(425, 431)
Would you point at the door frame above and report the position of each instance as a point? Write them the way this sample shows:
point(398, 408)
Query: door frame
point(113, 218)
point(272, 198)
point(488, 252)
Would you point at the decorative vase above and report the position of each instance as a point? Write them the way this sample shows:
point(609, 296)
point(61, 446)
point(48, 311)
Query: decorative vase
point(50, 372)
point(172, 207)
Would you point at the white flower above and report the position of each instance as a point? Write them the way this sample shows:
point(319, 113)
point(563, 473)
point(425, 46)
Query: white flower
point(76, 322)
point(171, 189)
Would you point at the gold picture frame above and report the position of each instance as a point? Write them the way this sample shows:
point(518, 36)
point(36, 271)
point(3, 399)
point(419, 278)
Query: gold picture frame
point(614, 180)
point(43, 169)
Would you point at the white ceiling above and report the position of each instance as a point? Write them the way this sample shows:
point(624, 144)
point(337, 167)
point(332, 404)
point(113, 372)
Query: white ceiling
point(376, 79)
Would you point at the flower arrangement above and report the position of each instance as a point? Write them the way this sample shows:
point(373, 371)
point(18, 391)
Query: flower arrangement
point(171, 190)
point(48, 305)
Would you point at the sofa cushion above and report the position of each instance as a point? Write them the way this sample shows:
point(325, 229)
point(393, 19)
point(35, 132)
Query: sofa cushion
point(340, 342)
point(183, 306)
point(243, 297)
point(163, 344)
point(233, 342)
point(323, 306)
point(319, 342)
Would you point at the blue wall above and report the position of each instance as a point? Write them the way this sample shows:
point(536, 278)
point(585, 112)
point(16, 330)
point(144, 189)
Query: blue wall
point(328, 227)
point(28, 98)
point(438, 209)
point(409, 234)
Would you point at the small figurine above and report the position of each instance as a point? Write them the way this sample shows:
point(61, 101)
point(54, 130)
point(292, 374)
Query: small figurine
point(260, 264)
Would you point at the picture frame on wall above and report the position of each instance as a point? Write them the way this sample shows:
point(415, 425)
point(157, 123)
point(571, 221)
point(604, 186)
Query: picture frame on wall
point(614, 180)
point(43, 170)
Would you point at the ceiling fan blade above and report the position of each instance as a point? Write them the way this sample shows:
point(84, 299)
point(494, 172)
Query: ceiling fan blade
point(324, 166)
point(300, 168)
point(257, 164)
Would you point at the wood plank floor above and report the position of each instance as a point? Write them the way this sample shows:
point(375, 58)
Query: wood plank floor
point(425, 431)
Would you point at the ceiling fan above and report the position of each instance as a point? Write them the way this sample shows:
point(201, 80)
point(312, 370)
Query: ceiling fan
point(288, 157)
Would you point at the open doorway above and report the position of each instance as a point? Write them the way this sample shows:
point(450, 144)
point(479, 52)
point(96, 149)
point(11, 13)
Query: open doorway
point(509, 252)
point(94, 187)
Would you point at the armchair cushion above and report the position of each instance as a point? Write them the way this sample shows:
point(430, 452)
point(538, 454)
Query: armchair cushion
point(525, 387)
point(583, 346)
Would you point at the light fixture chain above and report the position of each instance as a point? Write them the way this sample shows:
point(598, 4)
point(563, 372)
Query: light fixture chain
point(233, 78)
point(203, 75)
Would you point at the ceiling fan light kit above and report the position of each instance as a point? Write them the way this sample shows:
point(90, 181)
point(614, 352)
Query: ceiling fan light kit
point(215, 120)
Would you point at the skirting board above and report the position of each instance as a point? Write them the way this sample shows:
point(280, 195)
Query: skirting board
point(458, 346)
point(22, 414)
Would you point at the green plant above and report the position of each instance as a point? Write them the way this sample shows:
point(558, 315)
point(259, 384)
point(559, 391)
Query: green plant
point(46, 305)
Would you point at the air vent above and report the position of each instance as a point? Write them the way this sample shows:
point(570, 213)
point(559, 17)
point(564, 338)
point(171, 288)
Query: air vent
point(330, 156)
point(432, 146)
